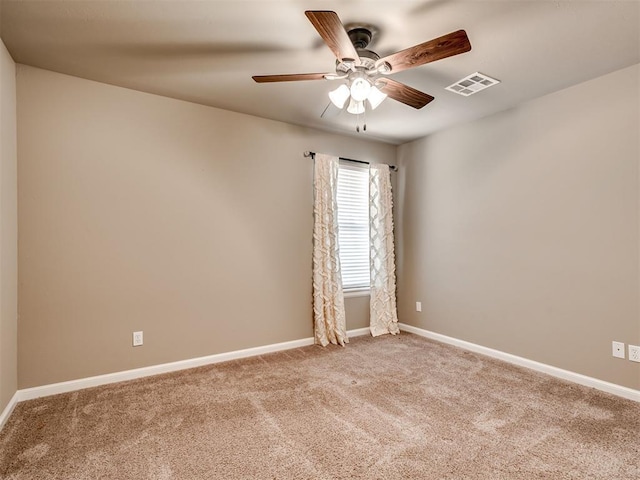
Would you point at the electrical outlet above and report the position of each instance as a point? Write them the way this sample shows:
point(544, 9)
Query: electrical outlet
point(617, 349)
point(137, 339)
point(634, 353)
point(418, 306)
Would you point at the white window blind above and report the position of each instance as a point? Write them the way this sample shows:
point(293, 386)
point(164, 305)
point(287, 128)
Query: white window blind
point(353, 225)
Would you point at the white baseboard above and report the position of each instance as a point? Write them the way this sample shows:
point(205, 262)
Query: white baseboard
point(79, 384)
point(359, 332)
point(6, 413)
point(72, 385)
point(578, 378)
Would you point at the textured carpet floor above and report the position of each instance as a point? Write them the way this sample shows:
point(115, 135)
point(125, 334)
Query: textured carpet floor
point(384, 408)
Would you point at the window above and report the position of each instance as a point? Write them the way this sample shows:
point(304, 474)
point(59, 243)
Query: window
point(353, 225)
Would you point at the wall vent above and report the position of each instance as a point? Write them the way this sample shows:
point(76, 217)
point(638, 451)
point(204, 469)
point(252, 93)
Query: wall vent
point(472, 84)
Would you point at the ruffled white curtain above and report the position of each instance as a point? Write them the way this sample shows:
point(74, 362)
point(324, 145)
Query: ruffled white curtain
point(383, 311)
point(328, 298)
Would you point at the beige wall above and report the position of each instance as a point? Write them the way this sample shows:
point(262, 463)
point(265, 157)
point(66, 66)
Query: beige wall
point(357, 312)
point(519, 231)
point(138, 212)
point(8, 230)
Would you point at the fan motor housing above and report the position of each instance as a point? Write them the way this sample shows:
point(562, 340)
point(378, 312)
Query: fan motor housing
point(361, 36)
point(368, 58)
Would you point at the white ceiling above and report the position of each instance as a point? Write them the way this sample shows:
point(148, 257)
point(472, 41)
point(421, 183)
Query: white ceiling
point(207, 51)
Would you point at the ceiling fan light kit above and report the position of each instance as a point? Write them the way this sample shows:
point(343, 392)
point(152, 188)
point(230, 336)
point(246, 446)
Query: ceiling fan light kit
point(375, 97)
point(340, 95)
point(365, 73)
point(355, 107)
point(360, 90)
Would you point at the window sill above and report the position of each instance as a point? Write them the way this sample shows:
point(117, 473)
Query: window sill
point(356, 292)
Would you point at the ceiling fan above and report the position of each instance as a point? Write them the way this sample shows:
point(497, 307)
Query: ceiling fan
point(365, 74)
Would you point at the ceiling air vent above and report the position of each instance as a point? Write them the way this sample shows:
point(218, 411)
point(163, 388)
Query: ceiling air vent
point(472, 84)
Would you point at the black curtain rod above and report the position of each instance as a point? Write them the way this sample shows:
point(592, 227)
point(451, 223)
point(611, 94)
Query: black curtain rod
point(313, 154)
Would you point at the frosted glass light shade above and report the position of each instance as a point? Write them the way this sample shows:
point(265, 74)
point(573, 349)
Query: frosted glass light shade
point(376, 97)
point(355, 107)
point(360, 89)
point(340, 95)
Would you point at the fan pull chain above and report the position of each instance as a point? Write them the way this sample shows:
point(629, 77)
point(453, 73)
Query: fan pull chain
point(364, 123)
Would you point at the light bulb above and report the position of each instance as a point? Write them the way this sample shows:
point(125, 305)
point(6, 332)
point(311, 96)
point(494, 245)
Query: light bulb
point(339, 96)
point(355, 107)
point(376, 97)
point(360, 89)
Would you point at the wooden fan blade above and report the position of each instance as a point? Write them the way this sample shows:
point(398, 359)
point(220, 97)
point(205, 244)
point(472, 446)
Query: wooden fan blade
point(436, 49)
point(290, 77)
point(332, 31)
point(404, 93)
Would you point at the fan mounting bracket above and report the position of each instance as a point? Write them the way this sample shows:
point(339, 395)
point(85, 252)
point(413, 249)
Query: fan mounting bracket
point(361, 34)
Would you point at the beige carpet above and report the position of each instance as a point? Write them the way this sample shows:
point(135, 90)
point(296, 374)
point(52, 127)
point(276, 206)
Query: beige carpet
point(387, 408)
